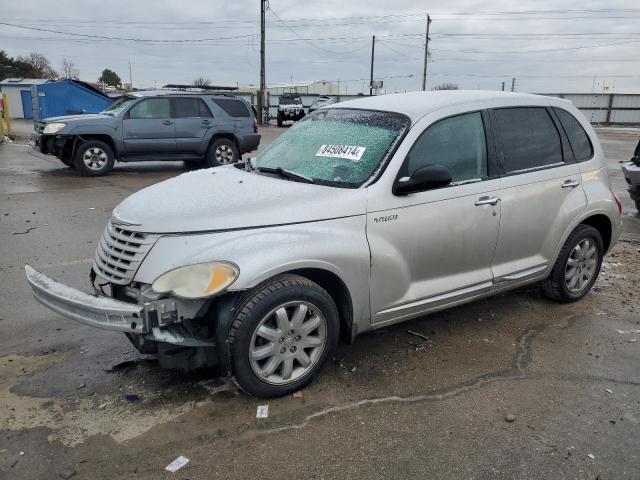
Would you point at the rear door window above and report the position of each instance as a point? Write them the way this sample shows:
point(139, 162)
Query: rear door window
point(578, 138)
point(457, 143)
point(528, 137)
point(151, 108)
point(190, 107)
point(233, 108)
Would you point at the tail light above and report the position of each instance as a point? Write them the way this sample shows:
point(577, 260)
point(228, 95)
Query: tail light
point(617, 202)
point(255, 125)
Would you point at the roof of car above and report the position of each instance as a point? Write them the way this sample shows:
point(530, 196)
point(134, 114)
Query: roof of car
point(163, 92)
point(417, 104)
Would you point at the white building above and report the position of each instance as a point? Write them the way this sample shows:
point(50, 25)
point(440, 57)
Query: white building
point(321, 87)
point(18, 92)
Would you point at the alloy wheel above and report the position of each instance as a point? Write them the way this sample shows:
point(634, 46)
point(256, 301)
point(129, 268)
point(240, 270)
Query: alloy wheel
point(94, 158)
point(288, 343)
point(581, 265)
point(224, 154)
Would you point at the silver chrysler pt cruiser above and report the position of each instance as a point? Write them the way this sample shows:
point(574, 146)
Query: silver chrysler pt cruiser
point(364, 214)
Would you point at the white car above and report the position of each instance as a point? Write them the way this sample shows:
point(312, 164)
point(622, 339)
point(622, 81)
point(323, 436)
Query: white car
point(366, 213)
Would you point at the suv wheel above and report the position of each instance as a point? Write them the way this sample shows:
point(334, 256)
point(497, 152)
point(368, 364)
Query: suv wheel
point(577, 267)
point(282, 335)
point(94, 158)
point(279, 120)
point(222, 152)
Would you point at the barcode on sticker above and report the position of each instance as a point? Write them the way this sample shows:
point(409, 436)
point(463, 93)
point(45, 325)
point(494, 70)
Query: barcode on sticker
point(348, 152)
point(263, 411)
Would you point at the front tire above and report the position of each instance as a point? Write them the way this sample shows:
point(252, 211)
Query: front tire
point(279, 120)
point(638, 205)
point(94, 159)
point(577, 267)
point(222, 152)
point(282, 335)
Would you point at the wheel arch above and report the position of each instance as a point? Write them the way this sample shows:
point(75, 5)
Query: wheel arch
point(227, 135)
point(339, 293)
point(603, 224)
point(100, 137)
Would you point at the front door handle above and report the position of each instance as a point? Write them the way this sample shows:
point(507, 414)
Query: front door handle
point(570, 183)
point(487, 201)
point(168, 122)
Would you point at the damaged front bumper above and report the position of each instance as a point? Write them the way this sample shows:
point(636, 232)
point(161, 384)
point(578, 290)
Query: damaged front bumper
point(97, 311)
point(155, 320)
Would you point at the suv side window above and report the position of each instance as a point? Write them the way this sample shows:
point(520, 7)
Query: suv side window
point(233, 108)
point(151, 108)
point(578, 138)
point(529, 138)
point(457, 143)
point(190, 107)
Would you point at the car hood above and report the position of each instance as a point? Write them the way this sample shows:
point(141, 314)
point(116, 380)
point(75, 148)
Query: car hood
point(227, 198)
point(73, 118)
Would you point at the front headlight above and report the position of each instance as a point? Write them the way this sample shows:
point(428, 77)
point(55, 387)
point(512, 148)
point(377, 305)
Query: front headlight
point(53, 128)
point(197, 281)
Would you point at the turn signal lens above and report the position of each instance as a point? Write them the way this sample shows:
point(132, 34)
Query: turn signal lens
point(197, 281)
point(617, 202)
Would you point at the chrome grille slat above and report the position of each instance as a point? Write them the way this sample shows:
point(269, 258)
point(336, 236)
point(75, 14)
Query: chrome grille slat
point(120, 252)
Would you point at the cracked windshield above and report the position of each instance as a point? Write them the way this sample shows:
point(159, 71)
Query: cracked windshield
point(338, 147)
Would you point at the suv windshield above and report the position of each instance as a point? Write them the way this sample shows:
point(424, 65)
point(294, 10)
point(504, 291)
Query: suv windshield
point(289, 99)
point(340, 147)
point(118, 106)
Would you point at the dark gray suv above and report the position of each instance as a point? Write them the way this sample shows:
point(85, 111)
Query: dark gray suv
point(202, 129)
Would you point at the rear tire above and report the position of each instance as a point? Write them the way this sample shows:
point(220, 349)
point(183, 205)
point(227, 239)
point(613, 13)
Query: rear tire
point(94, 159)
point(279, 120)
point(283, 333)
point(577, 267)
point(222, 152)
point(638, 205)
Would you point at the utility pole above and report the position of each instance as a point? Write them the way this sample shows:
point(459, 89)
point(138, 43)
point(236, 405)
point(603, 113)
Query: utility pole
point(130, 80)
point(513, 84)
point(503, 86)
point(373, 50)
point(426, 55)
point(262, 114)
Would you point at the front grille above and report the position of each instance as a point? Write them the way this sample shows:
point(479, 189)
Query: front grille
point(120, 252)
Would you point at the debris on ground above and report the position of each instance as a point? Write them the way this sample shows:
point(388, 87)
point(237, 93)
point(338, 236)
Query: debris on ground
point(609, 391)
point(262, 411)
point(627, 331)
point(132, 398)
point(424, 337)
point(510, 417)
point(297, 394)
point(591, 456)
point(177, 464)
point(25, 232)
point(66, 473)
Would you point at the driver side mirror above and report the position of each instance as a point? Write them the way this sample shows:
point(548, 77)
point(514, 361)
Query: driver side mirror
point(424, 178)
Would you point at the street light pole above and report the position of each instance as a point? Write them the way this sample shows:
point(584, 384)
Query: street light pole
point(426, 55)
point(263, 113)
point(373, 50)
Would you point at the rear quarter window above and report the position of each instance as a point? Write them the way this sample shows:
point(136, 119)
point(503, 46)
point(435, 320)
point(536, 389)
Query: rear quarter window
point(528, 137)
point(578, 138)
point(233, 108)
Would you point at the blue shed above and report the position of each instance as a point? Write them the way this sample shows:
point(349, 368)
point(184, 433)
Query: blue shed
point(66, 97)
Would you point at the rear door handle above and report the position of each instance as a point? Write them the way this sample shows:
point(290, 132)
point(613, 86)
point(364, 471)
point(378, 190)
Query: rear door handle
point(570, 183)
point(167, 122)
point(486, 200)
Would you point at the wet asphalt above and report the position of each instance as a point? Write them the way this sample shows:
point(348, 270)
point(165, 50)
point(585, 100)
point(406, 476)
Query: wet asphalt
point(514, 386)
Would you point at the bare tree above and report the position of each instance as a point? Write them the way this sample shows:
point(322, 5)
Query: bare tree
point(39, 66)
point(201, 82)
point(69, 70)
point(446, 86)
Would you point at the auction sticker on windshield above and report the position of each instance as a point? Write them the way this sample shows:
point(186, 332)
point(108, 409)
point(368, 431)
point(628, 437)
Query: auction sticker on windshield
point(348, 152)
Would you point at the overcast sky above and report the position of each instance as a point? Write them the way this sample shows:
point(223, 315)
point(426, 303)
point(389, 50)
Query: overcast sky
point(472, 45)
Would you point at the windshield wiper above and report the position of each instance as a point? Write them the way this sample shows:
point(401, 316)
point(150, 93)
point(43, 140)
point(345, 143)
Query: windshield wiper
point(286, 174)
